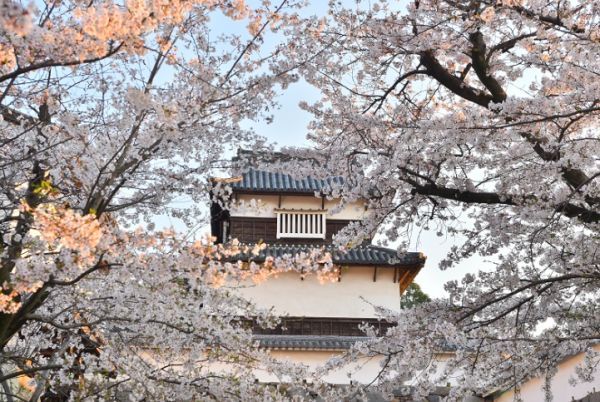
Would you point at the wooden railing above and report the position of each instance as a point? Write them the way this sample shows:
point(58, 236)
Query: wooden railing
point(299, 224)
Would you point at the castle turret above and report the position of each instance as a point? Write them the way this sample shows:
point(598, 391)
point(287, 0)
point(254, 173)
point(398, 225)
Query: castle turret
point(291, 216)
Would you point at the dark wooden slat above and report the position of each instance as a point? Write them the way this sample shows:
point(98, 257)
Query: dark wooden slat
point(253, 230)
point(318, 326)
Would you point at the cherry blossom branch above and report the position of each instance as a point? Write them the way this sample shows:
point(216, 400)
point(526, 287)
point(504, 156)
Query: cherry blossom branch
point(381, 99)
point(556, 21)
point(252, 41)
point(473, 197)
point(453, 83)
point(481, 67)
point(573, 176)
point(30, 370)
point(101, 264)
point(45, 320)
point(548, 281)
point(54, 63)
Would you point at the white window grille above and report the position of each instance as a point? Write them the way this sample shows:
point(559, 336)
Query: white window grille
point(301, 224)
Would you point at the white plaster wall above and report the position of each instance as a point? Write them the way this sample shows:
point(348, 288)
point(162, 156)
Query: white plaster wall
point(288, 294)
point(364, 371)
point(263, 206)
point(367, 369)
point(533, 391)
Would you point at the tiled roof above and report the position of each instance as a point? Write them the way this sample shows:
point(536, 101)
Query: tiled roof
point(332, 342)
point(263, 181)
point(307, 341)
point(360, 255)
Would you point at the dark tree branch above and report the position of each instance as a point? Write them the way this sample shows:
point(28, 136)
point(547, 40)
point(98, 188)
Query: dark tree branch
point(54, 63)
point(472, 197)
point(15, 117)
point(481, 67)
point(572, 176)
point(252, 41)
point(508, 44)
point(381, 99)
point(546, 282)
point(548, 156)
point(13, 322)
point(516, 306)
point(30, 371)
point(453, 83)
point(555, 21)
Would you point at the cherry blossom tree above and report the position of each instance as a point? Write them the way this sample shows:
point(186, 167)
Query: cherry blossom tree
point(113, 113)
point(469, 118)
point(475, 120)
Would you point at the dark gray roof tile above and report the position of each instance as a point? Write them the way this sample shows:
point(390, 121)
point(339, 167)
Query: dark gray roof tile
point(361, 255)
point(262, 181)
point(307, 341)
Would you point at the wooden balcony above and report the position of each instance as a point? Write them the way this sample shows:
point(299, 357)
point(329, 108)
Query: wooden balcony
point(301, 224)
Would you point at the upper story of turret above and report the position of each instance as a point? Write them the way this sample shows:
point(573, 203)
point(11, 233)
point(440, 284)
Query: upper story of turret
point(275, 208)
point(291, 215)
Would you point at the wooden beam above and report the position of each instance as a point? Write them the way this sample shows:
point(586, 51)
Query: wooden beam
point(413, 274)
point(375, 274)
point(227, 180)
point(407, 278)
point(403, 281)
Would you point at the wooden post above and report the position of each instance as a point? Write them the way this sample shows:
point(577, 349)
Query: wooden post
point(279, 225)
